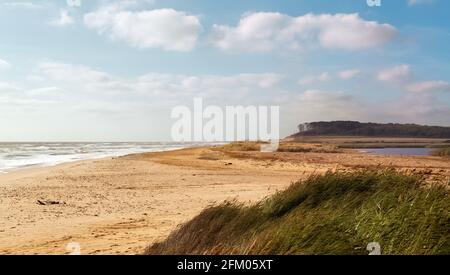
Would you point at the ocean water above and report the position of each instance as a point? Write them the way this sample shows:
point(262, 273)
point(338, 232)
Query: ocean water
point(399, 151)
point(20, 155)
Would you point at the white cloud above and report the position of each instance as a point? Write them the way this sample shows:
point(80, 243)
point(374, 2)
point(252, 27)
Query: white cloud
point(428, 86)
point(71, 73)
point(22, 4)
point(306, 80)
point(422, 108)
point(310, 79)
point(87, 80)
point(78, 91)
point(81, 78)
point(63, 20)
point(419, 2)
point(267, 31)
point(394, 74)
point(16, 95)
point(327, 101)
point(208, 86)
point(160, 28)
point(348, 74)
point(402, 76)
point(45, 92)
point(6, 87)
point(4, 65)
point(326, 76)
point(316, 105)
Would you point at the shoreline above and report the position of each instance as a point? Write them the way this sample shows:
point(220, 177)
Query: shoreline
point(94, 157)
point(119, 205)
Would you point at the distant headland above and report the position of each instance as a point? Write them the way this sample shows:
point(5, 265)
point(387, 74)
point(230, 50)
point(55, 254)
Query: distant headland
point(355, 128)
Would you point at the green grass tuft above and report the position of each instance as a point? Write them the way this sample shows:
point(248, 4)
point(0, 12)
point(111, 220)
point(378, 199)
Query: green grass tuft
point(336, 213)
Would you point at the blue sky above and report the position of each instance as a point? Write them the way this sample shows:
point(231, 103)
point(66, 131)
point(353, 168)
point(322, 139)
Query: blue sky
point(113, 70)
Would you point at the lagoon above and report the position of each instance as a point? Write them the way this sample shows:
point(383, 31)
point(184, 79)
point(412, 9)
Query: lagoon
point(399, 151)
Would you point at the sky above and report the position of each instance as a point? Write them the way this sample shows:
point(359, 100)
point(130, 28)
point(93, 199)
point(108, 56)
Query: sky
point(81, 70)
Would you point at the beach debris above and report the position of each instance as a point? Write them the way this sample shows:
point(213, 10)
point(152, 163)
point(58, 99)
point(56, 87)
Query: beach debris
point(49, 202)
point(229, 163)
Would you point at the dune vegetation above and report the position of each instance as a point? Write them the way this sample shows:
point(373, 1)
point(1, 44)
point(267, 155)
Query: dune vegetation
point(334, 213)
point(291, 147)
point(242, 146)
point(442, 152)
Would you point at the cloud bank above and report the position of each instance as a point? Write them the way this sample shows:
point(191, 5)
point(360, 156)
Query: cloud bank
point(268, 31)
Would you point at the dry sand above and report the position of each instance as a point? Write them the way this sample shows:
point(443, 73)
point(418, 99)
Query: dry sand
point(121, 205)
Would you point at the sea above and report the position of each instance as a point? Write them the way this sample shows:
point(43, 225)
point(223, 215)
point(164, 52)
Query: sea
point(15, 156)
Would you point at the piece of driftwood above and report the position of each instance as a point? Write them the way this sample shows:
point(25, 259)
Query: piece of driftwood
point(48, 202)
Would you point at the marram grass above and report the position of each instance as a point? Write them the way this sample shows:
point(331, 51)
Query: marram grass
point(336, 213)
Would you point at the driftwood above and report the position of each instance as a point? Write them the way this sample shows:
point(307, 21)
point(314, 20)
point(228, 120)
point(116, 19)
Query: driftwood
point(49, 202)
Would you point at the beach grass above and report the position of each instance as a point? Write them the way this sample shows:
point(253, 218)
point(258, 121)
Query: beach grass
point(441, 152)
point(308, 148)
point(288, 147)
point(334, 213)
point(242, 146)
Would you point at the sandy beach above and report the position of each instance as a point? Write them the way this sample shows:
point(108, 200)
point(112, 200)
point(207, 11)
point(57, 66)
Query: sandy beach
point(121, 205)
